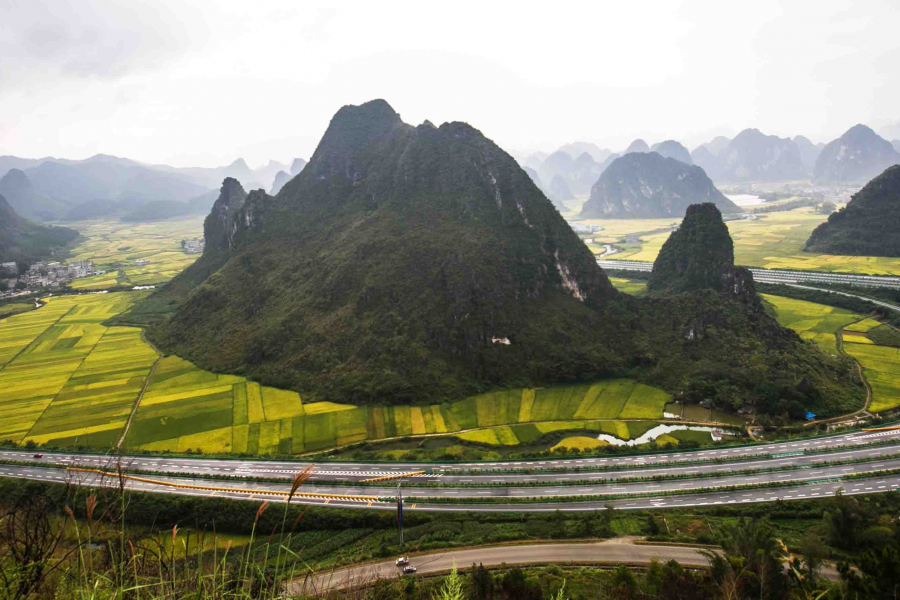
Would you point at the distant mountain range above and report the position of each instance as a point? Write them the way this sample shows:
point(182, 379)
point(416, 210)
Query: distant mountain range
point(643, 185)
point(749, 156)
point(50, 189)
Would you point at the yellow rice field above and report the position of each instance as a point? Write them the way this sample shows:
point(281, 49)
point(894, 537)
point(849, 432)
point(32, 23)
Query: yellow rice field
point(114, 246)
point(774, 241)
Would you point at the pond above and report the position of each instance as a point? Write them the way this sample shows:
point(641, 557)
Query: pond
point(744, 199)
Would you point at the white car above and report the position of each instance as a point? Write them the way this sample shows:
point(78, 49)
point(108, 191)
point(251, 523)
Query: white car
point(403, 560)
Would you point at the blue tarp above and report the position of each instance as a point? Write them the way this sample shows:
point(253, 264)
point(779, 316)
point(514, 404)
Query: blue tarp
point(810, 416)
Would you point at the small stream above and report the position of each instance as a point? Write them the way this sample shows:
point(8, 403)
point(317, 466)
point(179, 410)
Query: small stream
point(655, 433)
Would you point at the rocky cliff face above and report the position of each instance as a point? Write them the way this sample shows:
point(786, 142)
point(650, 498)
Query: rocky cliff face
point(857, 156)
point(646, 185)
point(385, 269)
point(868, 226)
point(700, 256)
point(281, 178)
point(297, 166)
point(809, 152)
point(754, 156)
point(559, 190)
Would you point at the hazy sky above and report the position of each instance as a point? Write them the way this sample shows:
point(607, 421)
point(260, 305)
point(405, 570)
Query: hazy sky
point(203, 82)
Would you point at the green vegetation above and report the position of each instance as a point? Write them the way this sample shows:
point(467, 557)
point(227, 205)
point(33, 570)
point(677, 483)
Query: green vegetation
point(13, 308)
point(774, 241)
point(62, 362)
point(700, 256)
point(628, 286)
point(870, 223)
point(396, 309)
point(23, 241)
point(857, 531)
point(64, 376)
point(885, 335)
point(882, 371)
point(811, 321)
point(114, 246)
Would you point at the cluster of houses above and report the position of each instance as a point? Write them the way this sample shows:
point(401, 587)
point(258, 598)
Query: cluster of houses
point(193, 246)
point(40, 275)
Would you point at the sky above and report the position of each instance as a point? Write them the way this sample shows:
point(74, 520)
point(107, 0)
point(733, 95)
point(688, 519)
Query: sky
point(202, 82)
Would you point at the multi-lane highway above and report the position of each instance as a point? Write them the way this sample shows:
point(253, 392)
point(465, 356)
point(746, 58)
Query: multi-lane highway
point(777, 275)
point(807, 468)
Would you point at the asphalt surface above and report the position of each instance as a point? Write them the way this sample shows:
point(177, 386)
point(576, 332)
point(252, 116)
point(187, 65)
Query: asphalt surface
point(333, 482)
point(609, 552)
point(437, 472)
point(777, 275)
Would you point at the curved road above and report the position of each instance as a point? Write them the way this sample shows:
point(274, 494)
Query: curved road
point(616, 551)
point(333, 482)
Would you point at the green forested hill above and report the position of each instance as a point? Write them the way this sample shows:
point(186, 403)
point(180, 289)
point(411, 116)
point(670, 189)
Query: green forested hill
point(24, 241)
point(422, 264)
point(868, 226)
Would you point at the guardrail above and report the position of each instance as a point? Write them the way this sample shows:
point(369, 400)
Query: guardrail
point(777, 276)
point(397, 476)
point(255, 492)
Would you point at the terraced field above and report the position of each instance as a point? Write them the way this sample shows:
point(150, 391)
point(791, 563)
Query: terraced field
point(187, 408)
point(881, 364)
point(66, 379)
point(813, 321)
point(525, 433)
point(114, 246)
point(64, 375)
point(774, 241)
point(629, 286)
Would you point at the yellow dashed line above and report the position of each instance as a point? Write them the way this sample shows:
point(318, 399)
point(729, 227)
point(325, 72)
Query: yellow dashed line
point(252, 493)
point(386, 477)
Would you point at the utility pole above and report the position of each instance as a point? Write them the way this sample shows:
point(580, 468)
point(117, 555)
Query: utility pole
point(400, 513)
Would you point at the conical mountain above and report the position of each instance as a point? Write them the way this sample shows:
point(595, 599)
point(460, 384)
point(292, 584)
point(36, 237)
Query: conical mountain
point(394, 266)
point(422, 264)
point(673, 149)
point(280, 179)
point(637, 145)
point(868, 226)
point(19, 192)
point(700, 256)
point(857, 156)
point(643, 185)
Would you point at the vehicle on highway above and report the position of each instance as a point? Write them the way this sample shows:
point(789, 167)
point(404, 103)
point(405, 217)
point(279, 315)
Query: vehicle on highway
point(409, 569)
point(38, 456)
point(403, 560)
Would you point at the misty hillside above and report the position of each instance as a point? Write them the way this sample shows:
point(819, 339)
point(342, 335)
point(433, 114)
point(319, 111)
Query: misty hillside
point(24, 241)
point(50, 189)
point(857, 156)
point(645, 185)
